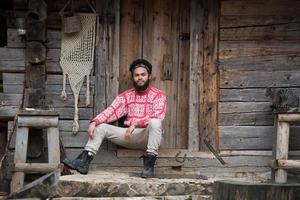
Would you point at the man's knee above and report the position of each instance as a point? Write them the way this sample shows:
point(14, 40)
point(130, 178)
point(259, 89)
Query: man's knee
point(101, 128)
point(155, 123)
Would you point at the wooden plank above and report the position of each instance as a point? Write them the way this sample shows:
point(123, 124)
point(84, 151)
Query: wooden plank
point(35, 167)
point(52, 61)
point(234, 21)
point(20, 157)
point(70, 140)
point(9, 99)
point(108, 55)
point(183, 79)
point(260, 8)
point(131, 38)
point(53, 39)
point(282, 148)
point(289, 31)
point(251, 79)
point(239, 107)
point(109, 158)
point(12, 60)
point(14, 40)
point(288, 164)
point(245, 137)
point(67, 113)
point(210, 81)
point(50, 89)
point(167, 153)
point(53, 145)
point(55, 101)
point(37, 121)
point(52, 79)
point(252, 94)
point(160, 35)
point(246, 119)
point(66, 125)
point(196, 62)
point(295, 117)
point(254, 55)
point(254, 137)
point(7, 112)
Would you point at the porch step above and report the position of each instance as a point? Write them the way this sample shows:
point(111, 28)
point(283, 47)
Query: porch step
point(120, 184)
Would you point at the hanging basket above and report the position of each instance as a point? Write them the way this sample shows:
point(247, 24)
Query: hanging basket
point(71, 24)
point(70, 21)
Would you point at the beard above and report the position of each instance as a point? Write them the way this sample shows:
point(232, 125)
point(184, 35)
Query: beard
point(141, 88)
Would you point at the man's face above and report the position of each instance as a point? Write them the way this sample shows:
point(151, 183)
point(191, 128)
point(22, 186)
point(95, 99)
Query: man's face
point(140, 79)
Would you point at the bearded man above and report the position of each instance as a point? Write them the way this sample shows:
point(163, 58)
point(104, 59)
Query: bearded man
point(145, 108)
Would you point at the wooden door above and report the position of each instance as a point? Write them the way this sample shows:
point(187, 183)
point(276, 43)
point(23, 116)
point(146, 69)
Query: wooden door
point(159, 32)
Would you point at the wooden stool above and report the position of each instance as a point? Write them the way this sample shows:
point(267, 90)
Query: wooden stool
point(281, 147)
point(35, 119)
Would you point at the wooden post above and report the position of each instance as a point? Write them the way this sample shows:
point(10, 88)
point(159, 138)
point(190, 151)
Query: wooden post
point(196, 64)
point(20, 157)
point(209, 82)
point(282, 147)
point(53, 145)
point(107, 51)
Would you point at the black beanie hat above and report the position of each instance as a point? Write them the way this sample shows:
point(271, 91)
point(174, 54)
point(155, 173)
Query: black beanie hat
point(141, 63)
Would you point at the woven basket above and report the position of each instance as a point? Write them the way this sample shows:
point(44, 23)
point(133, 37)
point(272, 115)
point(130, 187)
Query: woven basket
point(71, 24)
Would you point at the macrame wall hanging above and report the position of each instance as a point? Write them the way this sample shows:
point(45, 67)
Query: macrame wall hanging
point(77, 59)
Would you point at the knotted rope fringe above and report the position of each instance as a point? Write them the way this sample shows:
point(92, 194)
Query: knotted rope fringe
point(77, 59)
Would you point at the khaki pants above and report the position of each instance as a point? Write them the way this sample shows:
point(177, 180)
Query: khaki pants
point(148, 138)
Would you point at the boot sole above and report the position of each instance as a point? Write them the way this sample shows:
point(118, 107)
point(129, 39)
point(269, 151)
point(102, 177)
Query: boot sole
point(78, 169)
point(66, 162)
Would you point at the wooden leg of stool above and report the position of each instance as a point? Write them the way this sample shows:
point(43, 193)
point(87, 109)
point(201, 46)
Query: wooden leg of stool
point(282, 149)
point(53, 145)
point(17, 181)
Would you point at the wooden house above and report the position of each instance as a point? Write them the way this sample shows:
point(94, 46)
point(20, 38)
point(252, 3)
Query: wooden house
point(213, 58)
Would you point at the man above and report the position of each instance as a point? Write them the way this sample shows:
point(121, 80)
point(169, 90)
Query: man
point(145, 107)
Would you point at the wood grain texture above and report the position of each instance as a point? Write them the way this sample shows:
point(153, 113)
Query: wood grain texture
point(210, 79)
point(195, 72)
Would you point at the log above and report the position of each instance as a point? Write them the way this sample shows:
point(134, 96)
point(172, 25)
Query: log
point(36, 30)
point(37, 121)
point(288, 164)
point(36, 167)
point(35, 52)
point(282, 148)
point(289, 117)
point(229, 190)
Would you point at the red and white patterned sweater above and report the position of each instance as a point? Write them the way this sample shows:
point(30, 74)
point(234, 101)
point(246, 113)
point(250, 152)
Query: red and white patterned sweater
point(138, 106)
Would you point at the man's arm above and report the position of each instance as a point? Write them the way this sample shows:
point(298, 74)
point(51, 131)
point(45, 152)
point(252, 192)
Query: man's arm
point(116, 110)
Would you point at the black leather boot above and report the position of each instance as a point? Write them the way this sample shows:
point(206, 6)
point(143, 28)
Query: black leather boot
point(149, 161)
point(81, 163)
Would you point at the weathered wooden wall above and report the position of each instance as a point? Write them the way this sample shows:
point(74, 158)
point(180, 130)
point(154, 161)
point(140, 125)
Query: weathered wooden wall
point(258, 42)
point(259, 47)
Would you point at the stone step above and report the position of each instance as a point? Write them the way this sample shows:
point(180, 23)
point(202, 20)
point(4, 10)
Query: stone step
point(124, 184)
point(182, 197)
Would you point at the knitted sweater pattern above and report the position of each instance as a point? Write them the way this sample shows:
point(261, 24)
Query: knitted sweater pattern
point(139, 107)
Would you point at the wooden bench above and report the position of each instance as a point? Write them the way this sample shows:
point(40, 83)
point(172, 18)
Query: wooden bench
point(281, 163)
point(35, 119)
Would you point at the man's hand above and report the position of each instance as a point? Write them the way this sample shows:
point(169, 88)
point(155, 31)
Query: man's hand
point(129, 131)
point(92, 130)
